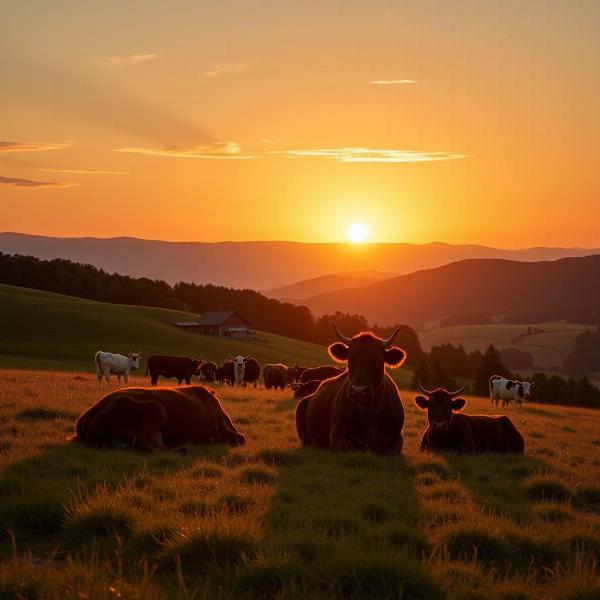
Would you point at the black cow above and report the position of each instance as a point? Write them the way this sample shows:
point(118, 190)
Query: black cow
point(208, 370)
point(225, 373)
point(179, 367)
point(320, 373)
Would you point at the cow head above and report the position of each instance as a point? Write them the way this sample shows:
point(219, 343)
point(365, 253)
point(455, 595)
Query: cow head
point(135, 359)
point(440, 404)
point(366, 356)
point(525, 389)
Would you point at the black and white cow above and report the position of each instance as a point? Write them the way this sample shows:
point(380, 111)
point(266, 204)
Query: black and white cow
point(507, 390)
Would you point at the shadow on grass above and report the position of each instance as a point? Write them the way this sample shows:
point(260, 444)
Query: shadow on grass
point(496, 481)
point(35, 492)
point(340, 525)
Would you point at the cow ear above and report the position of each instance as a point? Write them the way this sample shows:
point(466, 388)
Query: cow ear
point(394, 356)
point(458, 404)
point(338, 352)
point(422, 402)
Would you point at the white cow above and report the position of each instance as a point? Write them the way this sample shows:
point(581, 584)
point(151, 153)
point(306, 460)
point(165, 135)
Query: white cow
point(239, 367)
point(116, 364)
point(507, 390)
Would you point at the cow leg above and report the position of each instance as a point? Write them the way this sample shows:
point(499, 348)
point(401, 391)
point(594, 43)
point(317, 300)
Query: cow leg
point(107, 375)
point(125, 377)
point(187, 380)
point(100, 374)
point(154, 380)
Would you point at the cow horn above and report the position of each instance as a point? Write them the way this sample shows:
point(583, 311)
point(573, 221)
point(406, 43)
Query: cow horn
point(343, 338)
point(422, 389)
point(389, 341)
point(458, 391)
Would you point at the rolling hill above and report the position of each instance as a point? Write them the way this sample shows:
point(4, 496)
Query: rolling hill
point(258, 265)
point(533, 292)
point(42, 330)
point(297, 292)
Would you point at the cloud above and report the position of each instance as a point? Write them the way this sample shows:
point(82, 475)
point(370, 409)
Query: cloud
point(371, 155)
point(30, 183)
point(84, 171)
point(391, 81)
point(219, 150)
point(224, 69)
point(31, 146)
point(127, 61)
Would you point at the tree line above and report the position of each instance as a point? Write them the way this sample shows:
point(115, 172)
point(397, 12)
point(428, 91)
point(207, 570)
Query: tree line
point(265, 314)
point(447, 366)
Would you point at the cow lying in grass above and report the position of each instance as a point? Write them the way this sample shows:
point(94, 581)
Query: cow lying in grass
point(359, 409)
point(157, 419)
point(449, 430)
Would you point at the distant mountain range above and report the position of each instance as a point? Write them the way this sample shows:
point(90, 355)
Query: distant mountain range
point(568, 288)
point(262, 265)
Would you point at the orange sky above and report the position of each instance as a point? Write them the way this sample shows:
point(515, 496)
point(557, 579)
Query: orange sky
point(242, 120)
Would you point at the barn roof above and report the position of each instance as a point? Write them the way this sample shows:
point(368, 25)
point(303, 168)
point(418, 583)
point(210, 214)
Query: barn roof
point(186, 323)
point(218, 317)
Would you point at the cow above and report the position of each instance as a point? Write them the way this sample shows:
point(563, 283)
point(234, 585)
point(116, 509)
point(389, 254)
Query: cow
point(225, 374)
point(156, 419)
point(108, 364)
point(208, 370)
point(301, 390)
point(275, 376)
point(251, 372)
point(239, 366)
point(180, 367)
point(507, 390)
point(359, 409)
point(450, 430)
point(290, 376)
point(320, 373)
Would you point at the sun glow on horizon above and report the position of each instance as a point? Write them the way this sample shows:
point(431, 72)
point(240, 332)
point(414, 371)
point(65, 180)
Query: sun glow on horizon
point(358, 233)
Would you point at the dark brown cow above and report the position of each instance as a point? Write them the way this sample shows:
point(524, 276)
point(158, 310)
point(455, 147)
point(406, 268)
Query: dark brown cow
point(449, 430)
point(299, 370)
point(251, 371)
point(275, 376)
point(290, 376)
point(225, 373)
point(157, 419)
point(301, 390)
point(180, 367)
point(208, 370)
point(320, 373)
point(360, 409)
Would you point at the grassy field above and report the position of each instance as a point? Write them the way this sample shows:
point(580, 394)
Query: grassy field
point(548, 349)
point(273, 520)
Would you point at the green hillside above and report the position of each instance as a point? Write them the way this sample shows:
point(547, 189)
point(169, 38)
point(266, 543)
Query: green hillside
point(41, 330)
point(548, 348)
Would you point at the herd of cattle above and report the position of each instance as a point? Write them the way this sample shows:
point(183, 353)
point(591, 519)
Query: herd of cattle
point(354, 407)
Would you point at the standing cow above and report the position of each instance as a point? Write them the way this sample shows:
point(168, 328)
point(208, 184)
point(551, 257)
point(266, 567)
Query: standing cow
point(507, 390)
point(108, 364)
point(320, 373)
point(275, 376)
point(450, 430)
point(239, 366)
point(360, 409)
point(225, 374)
point(251, 372)
point(208, 370)
point(180, 367)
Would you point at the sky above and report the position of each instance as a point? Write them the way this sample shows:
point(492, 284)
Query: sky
point(462, 121)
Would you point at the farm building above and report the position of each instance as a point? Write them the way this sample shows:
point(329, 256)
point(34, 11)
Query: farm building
point(226, 322)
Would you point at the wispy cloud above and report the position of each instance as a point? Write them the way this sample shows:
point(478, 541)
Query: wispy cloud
point(392, 81)
point(31, 146)
point(225, 69)
point(30, 183)
point(84, 171)
point(220, 150)
point(127, 60)
point(371, 155)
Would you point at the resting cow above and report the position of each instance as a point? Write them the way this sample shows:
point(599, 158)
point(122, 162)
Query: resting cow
point(360, 409)
point(179, 367)
point(108, 364)
point(157, 419)
point(320, 373)
point(449, 430)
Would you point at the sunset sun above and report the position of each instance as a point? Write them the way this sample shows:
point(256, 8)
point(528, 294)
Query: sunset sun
point(358, 233)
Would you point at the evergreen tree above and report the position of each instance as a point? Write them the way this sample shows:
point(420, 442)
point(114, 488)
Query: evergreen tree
point(440, 377)
point(421, 374)
point(491, 364)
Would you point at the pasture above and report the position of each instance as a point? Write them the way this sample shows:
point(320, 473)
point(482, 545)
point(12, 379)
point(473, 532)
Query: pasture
point(548, 348)
point(271, 519)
